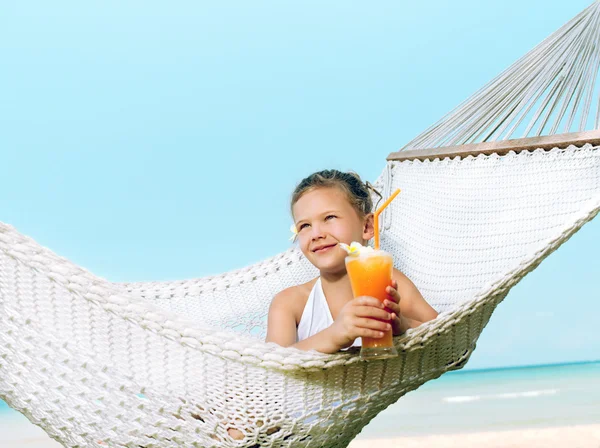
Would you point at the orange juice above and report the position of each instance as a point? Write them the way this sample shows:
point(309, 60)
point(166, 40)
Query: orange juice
point(370, 274)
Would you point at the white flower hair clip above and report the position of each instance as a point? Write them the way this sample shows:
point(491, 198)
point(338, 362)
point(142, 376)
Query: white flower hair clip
point(294, 233)
point(355, 248)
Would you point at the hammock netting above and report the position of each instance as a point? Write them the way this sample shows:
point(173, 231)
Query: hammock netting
point(179, 364)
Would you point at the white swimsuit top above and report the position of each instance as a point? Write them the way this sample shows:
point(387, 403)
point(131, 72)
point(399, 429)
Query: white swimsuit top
point(316, 316)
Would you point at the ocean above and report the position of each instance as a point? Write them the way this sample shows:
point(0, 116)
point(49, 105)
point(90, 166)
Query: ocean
point(495, 400)
point(463, 401)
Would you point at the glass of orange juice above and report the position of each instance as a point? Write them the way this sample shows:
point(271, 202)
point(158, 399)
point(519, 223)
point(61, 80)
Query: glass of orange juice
point(370, 273)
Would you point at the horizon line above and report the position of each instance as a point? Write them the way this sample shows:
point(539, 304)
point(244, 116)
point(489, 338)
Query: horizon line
point(526, 366)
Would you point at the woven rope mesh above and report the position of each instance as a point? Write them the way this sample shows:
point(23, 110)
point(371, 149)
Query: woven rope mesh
point(180, 363)
point(461, 223)
point(467, 221)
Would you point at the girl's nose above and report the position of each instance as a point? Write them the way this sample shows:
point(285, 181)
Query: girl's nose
point(316, 232)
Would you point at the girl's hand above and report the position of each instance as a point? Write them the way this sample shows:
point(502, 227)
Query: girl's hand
point(361, 317)
point(392, 304)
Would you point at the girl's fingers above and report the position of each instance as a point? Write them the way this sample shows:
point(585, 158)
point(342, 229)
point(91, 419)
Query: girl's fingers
point(392, 306)
point(371, 311)
point(364, 333)
point(392, 294)
point(396, 325)
point(372, 324)
point(369, 301)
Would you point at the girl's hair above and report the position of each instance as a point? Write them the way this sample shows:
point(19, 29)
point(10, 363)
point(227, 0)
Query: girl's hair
point(350, 183)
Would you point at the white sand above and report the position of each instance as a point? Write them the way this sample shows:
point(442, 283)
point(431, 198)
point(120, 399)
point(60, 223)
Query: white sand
point(580, 436)
point(17, 432)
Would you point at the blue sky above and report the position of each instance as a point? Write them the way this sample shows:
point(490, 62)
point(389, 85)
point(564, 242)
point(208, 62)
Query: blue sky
point(138, 137)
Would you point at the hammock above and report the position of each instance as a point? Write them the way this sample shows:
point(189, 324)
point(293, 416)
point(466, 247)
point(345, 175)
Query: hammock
point(177, 364)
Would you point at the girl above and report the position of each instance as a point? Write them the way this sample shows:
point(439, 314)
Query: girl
point(331, 207)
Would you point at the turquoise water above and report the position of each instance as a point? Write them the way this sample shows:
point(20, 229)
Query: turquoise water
point(494, 400)
point(490, 400)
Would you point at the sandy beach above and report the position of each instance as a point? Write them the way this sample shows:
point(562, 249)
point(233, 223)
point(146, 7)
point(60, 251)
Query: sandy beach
point(578, 436)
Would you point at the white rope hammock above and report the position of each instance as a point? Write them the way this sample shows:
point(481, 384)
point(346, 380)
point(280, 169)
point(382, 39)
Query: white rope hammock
point(176, 364)
point(552, 89)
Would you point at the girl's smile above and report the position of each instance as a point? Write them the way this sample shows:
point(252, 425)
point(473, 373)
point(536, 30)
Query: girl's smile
point(323, 248)
point(324, 218)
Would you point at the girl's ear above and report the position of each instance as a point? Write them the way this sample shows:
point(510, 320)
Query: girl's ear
point(369, 228)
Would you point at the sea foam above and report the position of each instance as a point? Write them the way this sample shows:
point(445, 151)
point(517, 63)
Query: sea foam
point(527, 394)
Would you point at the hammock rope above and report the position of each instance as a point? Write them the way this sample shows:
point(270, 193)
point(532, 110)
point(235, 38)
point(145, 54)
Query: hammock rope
point(553, 84)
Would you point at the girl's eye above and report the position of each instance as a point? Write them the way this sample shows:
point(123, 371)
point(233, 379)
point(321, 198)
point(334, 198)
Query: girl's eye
point(302, 226)
point(328, 217)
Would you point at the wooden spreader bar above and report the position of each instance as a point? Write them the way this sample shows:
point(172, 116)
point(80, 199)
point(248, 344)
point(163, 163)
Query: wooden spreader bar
point(501, 147)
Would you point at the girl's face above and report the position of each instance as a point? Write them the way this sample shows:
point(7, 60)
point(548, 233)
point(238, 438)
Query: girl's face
point(324, 217)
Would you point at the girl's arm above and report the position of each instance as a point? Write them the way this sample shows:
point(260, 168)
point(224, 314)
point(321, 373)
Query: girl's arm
point(323, 341)
point(412, 303)
point(356, 319)
point(409, 307)
point(282, 326)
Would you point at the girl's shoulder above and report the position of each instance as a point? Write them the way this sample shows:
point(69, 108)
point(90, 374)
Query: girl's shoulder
point(412, 302)
point(293, 299)
point(399, 276)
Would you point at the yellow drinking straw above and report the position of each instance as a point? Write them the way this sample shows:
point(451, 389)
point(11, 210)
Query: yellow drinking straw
point(379, 210)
